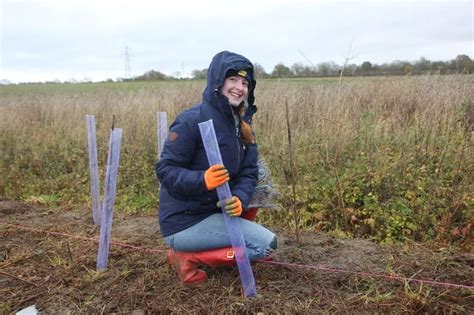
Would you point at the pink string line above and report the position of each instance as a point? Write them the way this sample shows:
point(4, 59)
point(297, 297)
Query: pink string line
point(321, 268)
point(372, 274)
point(83, 238)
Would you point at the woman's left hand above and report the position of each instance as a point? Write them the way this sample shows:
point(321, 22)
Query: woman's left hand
point(232, 206)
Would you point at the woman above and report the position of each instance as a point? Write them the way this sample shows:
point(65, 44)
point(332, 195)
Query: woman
point(191, 219)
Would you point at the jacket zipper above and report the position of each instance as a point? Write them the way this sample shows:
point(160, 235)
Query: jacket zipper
point(238, 154)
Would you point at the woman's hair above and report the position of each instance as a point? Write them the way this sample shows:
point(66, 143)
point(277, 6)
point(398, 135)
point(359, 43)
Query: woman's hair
point(246, 132)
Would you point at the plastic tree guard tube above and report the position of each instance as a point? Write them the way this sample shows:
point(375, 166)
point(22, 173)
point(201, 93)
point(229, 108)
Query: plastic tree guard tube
point(109, 198)
point(161, 133)
point(161, 130)
point(211, 146)
point(93, 168)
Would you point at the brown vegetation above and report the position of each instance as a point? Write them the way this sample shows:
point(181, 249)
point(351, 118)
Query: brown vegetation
point(57, 273)
point(377, 159)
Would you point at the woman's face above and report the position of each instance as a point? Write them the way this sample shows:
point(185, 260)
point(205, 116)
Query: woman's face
point(235, 88)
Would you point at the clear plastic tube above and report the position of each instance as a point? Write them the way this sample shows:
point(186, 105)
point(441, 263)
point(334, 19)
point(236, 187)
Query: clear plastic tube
point(109, 198)
point(93, 168)
point(211, 146)
point(161, 130)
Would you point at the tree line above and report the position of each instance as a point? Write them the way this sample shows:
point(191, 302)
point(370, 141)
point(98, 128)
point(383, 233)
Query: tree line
point(461, 64)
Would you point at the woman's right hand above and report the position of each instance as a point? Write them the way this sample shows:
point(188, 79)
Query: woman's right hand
point(232, 206)
point(215, 176)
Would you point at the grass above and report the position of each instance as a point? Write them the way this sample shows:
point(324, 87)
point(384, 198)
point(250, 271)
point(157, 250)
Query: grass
point(385, 158)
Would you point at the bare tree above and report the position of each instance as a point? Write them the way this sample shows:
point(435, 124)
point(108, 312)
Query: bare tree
point(312, 65)
point(346, 60)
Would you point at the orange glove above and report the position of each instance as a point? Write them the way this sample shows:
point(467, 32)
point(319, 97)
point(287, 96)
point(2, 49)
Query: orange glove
point(233, 206)
point(215, 176)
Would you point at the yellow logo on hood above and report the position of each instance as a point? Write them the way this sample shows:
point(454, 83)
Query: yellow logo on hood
point(242, 73)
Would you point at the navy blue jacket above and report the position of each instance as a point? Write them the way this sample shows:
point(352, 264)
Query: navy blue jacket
point(184, 198)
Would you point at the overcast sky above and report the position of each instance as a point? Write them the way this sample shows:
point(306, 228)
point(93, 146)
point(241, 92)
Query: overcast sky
point(86, 39)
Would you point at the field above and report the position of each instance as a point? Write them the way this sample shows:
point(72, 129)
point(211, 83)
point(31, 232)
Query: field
point(384, 184)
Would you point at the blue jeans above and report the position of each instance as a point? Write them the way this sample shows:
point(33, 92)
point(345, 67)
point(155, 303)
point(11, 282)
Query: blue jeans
point(211, 233)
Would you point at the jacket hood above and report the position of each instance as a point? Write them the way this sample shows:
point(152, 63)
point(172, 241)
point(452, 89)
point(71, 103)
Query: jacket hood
point(220, 64)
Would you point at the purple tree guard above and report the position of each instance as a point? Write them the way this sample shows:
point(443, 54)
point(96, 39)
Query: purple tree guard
point(109, 198)
point(93, 168)
point(211, 146)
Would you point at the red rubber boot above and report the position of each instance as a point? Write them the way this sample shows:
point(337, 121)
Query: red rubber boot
point(185, 264)
point(250, 214)
point(217, 257)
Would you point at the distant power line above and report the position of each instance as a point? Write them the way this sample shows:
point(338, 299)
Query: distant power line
point(128, 72)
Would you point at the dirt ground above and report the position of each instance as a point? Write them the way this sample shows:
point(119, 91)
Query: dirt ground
point(57, 274)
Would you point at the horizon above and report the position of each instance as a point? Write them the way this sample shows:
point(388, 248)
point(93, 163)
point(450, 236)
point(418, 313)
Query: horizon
point(190, 77)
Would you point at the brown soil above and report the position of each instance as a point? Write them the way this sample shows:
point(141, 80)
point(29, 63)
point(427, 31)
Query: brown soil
point(58, 274)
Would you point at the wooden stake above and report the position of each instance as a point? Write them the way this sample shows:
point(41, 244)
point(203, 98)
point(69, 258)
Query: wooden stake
point(292, 175)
